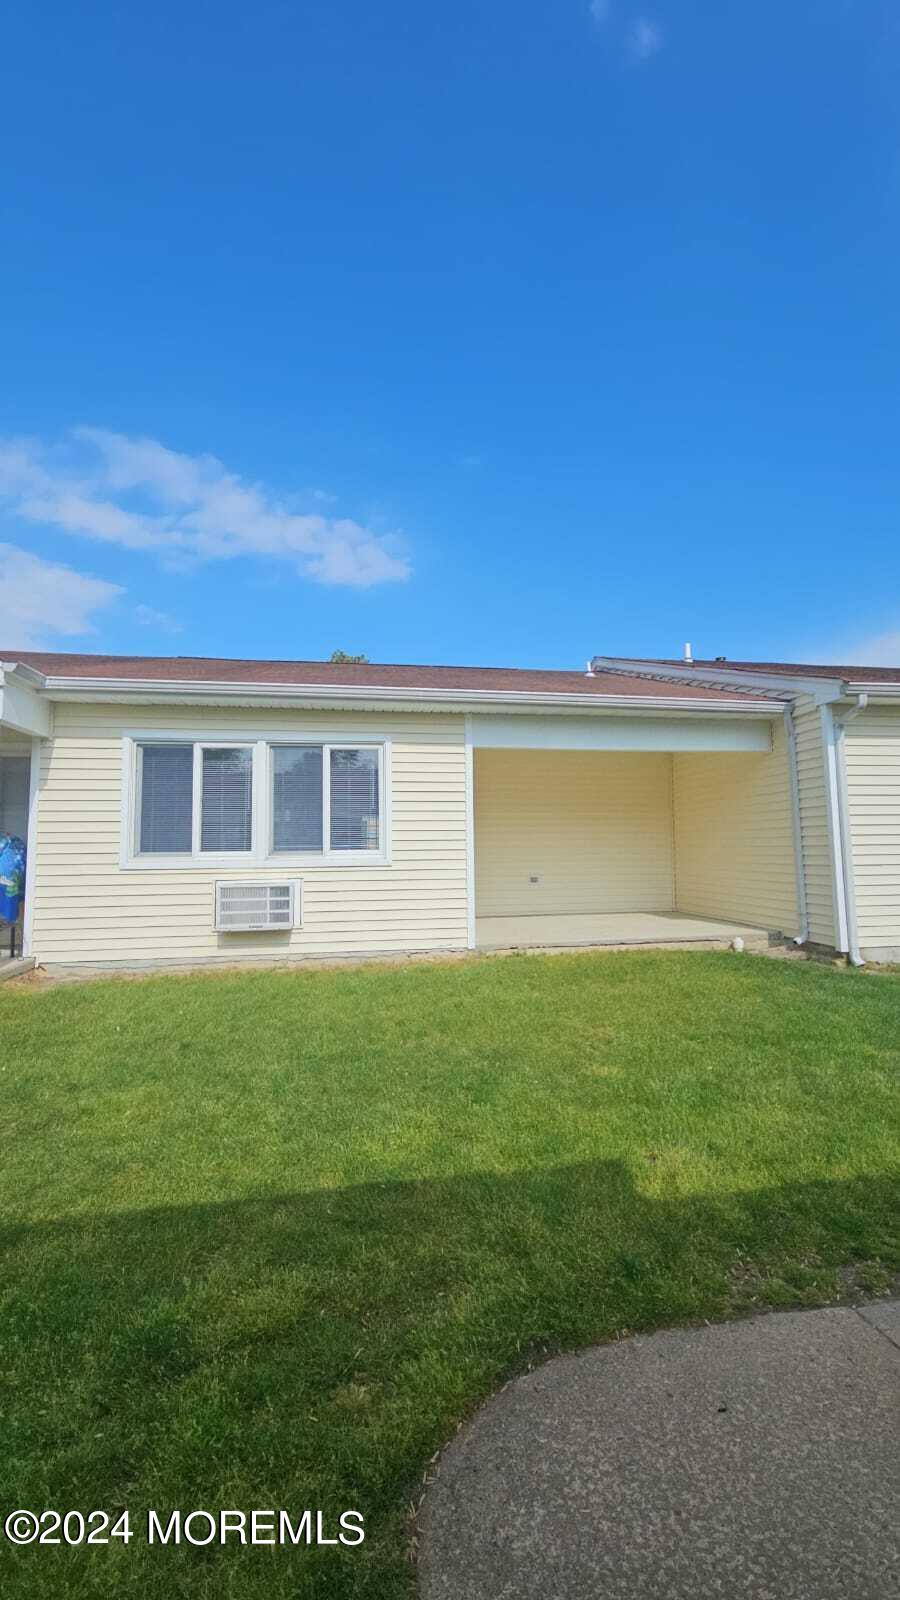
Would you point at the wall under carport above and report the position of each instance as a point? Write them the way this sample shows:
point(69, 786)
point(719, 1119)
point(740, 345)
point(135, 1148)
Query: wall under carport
point(734, 836)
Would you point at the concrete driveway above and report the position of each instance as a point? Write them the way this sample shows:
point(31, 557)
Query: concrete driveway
point(757, 1460)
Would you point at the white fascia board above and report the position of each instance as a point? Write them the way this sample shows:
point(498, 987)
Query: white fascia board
point(375, 698)
point(821, 689)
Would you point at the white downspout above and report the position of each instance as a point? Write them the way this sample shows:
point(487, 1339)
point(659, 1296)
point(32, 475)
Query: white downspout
point(802, 906)
point(843, 798)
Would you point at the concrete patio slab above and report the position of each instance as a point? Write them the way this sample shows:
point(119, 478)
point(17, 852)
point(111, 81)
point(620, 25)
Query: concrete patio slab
point(543, 931)
point(757, 1460)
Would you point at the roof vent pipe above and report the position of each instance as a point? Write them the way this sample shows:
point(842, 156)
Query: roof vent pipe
point(688, 655)
point(589, 673)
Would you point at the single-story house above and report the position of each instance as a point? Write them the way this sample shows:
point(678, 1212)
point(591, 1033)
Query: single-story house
point(179, 809)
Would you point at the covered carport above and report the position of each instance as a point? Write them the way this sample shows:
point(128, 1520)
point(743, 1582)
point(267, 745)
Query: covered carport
point(632, 829)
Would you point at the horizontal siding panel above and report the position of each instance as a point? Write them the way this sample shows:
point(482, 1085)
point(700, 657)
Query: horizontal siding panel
point(87, 909)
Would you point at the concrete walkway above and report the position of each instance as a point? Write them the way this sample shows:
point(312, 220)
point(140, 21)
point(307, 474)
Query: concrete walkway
point(757, 1460)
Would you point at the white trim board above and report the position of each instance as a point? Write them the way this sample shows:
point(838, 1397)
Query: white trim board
point(470, 838)
point(34, 785)
point(621, 733)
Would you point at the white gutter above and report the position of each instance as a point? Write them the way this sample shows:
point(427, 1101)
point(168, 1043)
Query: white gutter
point(840, 753)
point(376, 696)
point(876, 691)
point(20, 673)
point(799, 865)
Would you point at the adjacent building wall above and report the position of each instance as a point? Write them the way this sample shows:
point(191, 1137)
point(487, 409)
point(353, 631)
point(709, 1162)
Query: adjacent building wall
point(734, 843)
point(872, 754)
point(593, 827)
point(87, 908)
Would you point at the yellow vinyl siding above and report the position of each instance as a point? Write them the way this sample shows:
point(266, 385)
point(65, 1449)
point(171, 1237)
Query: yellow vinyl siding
point(817, 855)
point(88, 909)
point(734, 842)
point(595, 827)
point(872, 753)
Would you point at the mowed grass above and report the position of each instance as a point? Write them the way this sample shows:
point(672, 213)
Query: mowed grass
point(268, 1237)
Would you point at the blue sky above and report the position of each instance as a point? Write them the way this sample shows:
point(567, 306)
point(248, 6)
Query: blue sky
point(494, 332)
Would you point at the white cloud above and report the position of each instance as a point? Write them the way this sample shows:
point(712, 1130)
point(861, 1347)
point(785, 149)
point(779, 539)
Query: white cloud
point(878, 650)
point(149, 617)
point(645, 38)
point(39, 598)
point(599, 10)
point(138, 494)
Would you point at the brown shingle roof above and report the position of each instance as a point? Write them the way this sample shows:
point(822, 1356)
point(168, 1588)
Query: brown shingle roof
point(213, 669)
point(852, 674)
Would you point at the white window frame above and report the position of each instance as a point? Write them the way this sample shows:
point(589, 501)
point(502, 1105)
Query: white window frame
point(261, 853)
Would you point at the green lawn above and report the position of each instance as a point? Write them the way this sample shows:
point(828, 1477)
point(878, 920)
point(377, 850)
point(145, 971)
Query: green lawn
point(268, 1237)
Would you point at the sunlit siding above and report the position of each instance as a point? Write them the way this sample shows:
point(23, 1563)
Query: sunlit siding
point(594, 828)
point(88, 909)
point(734, 843)
point(817, 856)
point(872, 747)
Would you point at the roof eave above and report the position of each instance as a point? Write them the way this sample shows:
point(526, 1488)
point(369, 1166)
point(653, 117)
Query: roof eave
point(778, 682)
point(385, 697)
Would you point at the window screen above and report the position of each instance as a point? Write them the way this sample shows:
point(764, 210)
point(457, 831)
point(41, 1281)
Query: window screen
point(354, 800)
point(167, 799)
point(296, 797)
point(226, 800)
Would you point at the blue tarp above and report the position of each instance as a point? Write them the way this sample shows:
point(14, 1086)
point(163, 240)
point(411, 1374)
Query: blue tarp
point(12, 876)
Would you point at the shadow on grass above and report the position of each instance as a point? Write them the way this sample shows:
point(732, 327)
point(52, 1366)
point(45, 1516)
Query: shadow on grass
point(314, 1349)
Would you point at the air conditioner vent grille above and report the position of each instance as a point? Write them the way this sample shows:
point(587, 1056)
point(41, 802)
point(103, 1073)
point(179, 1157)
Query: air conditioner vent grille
point(254, 907)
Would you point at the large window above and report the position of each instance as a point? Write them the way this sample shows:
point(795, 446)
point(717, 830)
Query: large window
point(195, 802)
point(325, 797)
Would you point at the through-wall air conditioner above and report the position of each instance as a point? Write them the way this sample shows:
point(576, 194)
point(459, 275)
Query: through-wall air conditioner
point(256, 907)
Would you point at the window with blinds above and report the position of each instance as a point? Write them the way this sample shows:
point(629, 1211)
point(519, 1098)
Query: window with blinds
point(297, 797)
point(166, 777)
point(354, 800)
point(226, 801)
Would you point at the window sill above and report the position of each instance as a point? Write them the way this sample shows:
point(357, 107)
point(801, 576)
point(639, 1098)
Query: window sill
point(270, 865)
